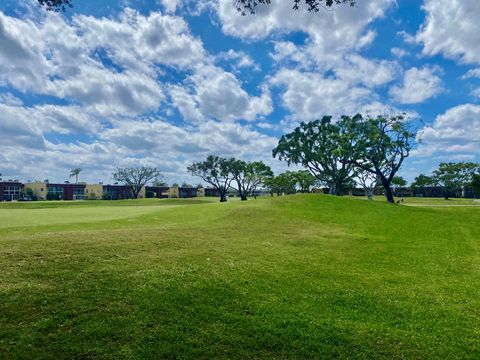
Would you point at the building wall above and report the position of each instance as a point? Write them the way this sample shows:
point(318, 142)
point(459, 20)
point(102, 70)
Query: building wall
point(10, 190)
point(39, 189)
point(187, 192)
point(211, 192)
point(158, 192)
point(70, 191)
point(93, 191)
point(173, 192)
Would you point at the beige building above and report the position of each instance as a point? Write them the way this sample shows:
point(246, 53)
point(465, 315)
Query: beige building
point(39, 189)
point(173, 192)
point(93, 191)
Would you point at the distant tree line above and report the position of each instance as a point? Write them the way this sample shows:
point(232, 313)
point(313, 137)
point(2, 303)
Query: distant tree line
point(223, 174)
point(451, 176)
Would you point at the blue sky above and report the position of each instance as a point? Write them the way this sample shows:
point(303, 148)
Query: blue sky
point(164, 83)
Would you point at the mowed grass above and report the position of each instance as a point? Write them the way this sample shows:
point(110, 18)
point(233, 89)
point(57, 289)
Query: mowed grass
point(304, 276)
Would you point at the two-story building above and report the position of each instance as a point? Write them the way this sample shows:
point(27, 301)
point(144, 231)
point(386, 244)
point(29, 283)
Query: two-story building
point(50, 191)
point(10, 190)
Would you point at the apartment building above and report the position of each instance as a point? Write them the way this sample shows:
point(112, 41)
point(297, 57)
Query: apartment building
point(10, 190)
point(44, 190)
point(51, 191)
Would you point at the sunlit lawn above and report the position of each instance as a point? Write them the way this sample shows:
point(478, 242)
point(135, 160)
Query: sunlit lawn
point(304, 276)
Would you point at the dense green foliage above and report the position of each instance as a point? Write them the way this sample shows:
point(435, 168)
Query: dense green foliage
point(453, 176)
point(379, 145)
point(399, 181)
point(476, 183)
point(248, 176)
point(423, 180)
point(304, 276)
point(323, 147)
point(215, 171)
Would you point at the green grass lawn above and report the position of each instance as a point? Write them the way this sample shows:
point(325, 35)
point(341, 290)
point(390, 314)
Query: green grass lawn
point(304, 276)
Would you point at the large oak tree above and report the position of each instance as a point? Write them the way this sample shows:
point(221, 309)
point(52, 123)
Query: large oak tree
point(136, 178)
point(248, 176)
point(379, 145)
point(319, 146)
point(215, 171)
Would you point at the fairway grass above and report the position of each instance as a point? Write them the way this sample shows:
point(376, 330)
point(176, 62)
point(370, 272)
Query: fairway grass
point(304, 276)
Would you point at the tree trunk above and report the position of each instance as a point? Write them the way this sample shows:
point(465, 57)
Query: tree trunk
point(388, 190)
point(243, 197)
point(389, 195)
point(369, 193)
point(223, 196)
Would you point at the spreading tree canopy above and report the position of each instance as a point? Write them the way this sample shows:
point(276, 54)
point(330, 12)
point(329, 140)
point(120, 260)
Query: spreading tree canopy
point(136, 178)
point(214, 171)
point(452, 176)
point(322, 147)
point(399, 181)
point(423, 180)
point(379, 145)
point(248, 175)
point(368, 181)
point(305, 180)
point(284, 183)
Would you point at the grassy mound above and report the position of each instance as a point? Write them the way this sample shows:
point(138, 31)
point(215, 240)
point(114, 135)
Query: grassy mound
point(304, 276)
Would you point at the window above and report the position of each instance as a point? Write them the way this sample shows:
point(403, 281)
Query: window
point(111, 193)
point(12, 192)
point(55, 192)
point(78, 194)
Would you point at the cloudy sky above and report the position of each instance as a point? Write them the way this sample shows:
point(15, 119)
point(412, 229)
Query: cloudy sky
point(166, 82)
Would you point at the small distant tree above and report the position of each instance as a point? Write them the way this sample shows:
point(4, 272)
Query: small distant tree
point(284, 183)
point(248, 176)
point(379, 145)
point(136, 178)
point(399, 181)
point(214, 171)
point(29, 193)
point(452, 176)
point(305, 180)
point(368, 181)
point(74, 173)
point(175, 185)
point(423, 180)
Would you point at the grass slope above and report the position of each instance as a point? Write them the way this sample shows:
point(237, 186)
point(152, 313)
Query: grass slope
point(305, 276)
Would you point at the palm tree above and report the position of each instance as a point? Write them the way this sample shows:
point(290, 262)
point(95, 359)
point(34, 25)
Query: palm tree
point(75, 172)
